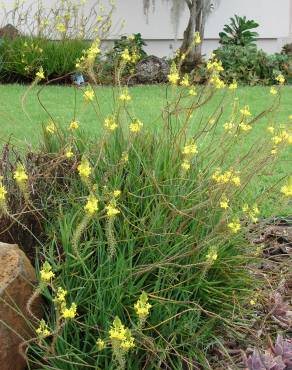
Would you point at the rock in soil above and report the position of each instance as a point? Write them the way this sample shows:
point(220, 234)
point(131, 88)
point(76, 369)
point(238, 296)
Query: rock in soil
point(17, 279)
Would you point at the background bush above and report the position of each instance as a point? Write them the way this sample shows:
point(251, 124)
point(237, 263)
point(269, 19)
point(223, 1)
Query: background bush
point(23, 56)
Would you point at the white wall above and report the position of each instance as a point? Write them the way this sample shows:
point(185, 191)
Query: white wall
point(274, 17)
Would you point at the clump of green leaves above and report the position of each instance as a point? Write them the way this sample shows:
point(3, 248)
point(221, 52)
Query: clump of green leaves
point(239, 32)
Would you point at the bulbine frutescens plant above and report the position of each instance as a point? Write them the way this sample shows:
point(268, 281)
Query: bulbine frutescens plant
point(148, 230)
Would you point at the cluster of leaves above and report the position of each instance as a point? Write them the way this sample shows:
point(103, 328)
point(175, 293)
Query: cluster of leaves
point(239, 32)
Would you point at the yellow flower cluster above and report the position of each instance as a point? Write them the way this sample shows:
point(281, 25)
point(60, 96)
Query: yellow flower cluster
point(92, 205)
point(61, 27)
point(229, 176)
point(214, 65)
point(3, 192)
point(192, 91)
point(188, 151)
point(245, 126)
point(111, 210)
point(282, 137)
point(142, 307)
point(234, 226)
point(51, 127)
point(281, 79)
point(69, 153)
point(43, 330)
point(69, 313)
point(287, 190)
point(121, 336)
point(89, 55)
point(125, 96)
point(100, 344)
point(136, 126)
point(40, 74)
point(20, 175)
point(233, 85)
point(185, 81)
point(273, 91)
point(46, 273)
point(110, 123)
point(173, 76)
point(60, 298)
point(245, 111)
point(224, 202)
point(88, 94)
point(228, 126)
point(212, 255)
point(251, 212)
point(74, 125)
point(84, 169)
point(217, 82)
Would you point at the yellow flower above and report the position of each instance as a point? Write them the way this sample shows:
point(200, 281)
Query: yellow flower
point(234, 226)
point(99, 18)
point(117, 193)
point(117, 330)
point(88, 94)
point(3, 192)
point(126, 55)
point(74, 125)
point(20, 175)
point(100, 344)
point(273, 91)
point(61, 27)
point(110, 123)
point(197, 38)
point(214, 65)
point(46, 273)
point(290, 117)
point(245, 111)
point(287, 190)
point(185, 81)
point(173, 77)
point(112, 211)
point(271, 129)
point(274, 151)
point(186, 165)
point(128, 344)
point(224, 203)
point(43, 330)
point(125, 157)
point(40, 74)
point(69, 313)
point(61, 296)
point(245, 126)
point(192, 91)
point(280, 78)
point(69, 154)
point(252, 302)
point(217, 82)
point(212, 254)
point(51, 127)
point(190, 149)
point(84, 168)
point(92, 205)
point(228, 126)
point(142, 307)
point(236, 180)
point(136, 126)
point(124, 96)
point(233, 85)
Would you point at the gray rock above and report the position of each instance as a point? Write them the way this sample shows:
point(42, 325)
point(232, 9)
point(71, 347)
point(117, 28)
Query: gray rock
point(17, 279)
point(152, 70)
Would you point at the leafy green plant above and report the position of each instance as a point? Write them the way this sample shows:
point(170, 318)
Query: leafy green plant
point(238, 32)
point(250, 66)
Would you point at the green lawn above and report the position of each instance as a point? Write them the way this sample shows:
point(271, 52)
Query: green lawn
point(148, 100)
point(25, 127)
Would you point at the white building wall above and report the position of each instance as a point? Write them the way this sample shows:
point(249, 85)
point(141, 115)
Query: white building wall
point(273, 16)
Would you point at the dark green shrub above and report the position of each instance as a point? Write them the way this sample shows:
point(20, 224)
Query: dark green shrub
point(239, 32)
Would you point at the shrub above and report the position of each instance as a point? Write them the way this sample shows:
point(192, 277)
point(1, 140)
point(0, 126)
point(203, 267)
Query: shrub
point(23, 56)
point(239, 32)
point(251, 66)
point(147, 264)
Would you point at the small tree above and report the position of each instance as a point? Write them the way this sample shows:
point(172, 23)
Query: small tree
point(199, 11)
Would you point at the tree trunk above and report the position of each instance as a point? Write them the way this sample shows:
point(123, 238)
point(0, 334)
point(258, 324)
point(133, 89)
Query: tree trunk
point(196, 24)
